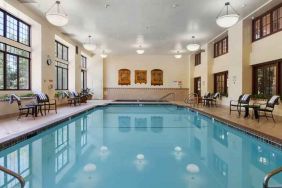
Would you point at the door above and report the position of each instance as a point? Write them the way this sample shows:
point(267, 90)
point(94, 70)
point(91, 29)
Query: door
point(197, 85)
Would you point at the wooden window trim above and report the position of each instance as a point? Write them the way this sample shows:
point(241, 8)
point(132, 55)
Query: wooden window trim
point(225, 73)
point(216, 50)
point(278, 64)
point(18, 29)
point(261, 27)
point(198, 59)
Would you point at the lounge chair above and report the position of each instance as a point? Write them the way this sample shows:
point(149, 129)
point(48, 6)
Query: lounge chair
point(23, 110)
point(267, 108)
point(214, 98)
point(72, 98)
point(43, 99)
point(243, 101)
point(82, 97)
point(202, 99)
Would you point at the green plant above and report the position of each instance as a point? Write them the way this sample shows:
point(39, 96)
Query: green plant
point(4, 97)
point(27, 95)
point(259, 96)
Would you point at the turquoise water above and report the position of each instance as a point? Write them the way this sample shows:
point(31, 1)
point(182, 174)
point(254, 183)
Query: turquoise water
point(70, 155)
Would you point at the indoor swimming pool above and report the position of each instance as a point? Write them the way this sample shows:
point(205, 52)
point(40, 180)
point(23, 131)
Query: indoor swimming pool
point(141, 146)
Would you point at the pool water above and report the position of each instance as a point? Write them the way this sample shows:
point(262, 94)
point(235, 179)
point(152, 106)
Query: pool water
point(99, 149)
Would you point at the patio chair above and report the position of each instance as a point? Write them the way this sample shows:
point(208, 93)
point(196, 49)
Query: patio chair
point(44, 99)
point(202, 99)
point(72, 98)
point(23, 110)
point(214, 98)
point(268, 108)
point(242, 101)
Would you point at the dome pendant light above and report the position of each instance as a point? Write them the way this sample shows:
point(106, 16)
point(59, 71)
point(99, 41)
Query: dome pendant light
point(56, 15)
point(178, 55)
point(193, 46)
point(103, 54)
point(140, 51)
point(89, 45)
point(228, 19)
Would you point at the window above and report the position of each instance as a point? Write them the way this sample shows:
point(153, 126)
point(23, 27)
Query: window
point(19, 161)
point(62, 71)
point(14, 68)
point(14, 28)
point(221, 47)
point(83, 72)
point(62, 51)
point(267, 79)
point(220, 83)
point(268, 23)
point(197, 59)
point(61, 148)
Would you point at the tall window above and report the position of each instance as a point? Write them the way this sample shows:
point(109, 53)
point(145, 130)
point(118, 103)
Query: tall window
point(197, 59)
point(267, 79)
point(83, 72)
point(61, 148)
point(62, 71)
point(20, 162)
point(220, 83)
point(221, 47)
point(14, 28)
point(14, 68)
point(268, 23)
point(62, 67)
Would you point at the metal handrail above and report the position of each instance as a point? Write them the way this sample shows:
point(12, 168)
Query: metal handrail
point(270, 175)
point(189, 97)
point(165, 96)
point(12, 173)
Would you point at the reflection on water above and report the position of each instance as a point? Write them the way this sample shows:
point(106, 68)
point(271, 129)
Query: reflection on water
point(65, 156)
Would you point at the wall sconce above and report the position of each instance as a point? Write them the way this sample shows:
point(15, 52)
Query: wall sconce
point(234, 78)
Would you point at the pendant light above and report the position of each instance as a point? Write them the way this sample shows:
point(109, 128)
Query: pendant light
point(140, 51)
point(56, 15)
point(227, 18)
point(89, 44)
point(178, 55)
point(104, 55)
point(193, 46)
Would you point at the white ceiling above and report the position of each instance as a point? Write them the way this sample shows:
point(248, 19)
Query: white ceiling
point(165, 25)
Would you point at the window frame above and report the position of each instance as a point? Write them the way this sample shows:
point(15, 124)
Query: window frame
point(278, 65)
point(57, 75)
point(219, 51)
point(198, 59)
point(260, 18)
point(225, 74)
point(57, 43)
point(5, 13)
point(5, 53)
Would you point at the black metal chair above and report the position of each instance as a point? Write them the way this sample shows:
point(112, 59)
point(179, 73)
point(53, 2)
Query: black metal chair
point(73, 99)
point(214, 98)
point(44, 99)
point(243, 101)
point(266, 110)
point(23, 110)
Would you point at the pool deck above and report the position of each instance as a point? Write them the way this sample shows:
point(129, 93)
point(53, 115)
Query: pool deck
point(12, 129)
point(264, 128)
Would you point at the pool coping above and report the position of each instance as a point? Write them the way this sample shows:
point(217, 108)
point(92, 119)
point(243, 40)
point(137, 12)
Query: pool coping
point(16, 138)
point(257, 134)
point(13, 139)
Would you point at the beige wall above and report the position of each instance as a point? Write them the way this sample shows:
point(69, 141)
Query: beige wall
point(173, 69)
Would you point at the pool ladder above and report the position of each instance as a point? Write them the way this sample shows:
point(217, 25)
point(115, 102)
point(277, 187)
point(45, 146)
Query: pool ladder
point(12, 173)
point(269, 176)
point(192, 99)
